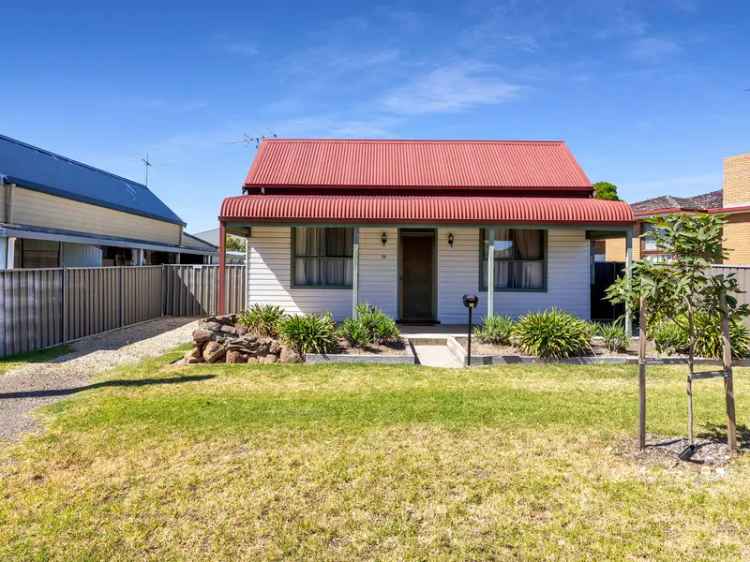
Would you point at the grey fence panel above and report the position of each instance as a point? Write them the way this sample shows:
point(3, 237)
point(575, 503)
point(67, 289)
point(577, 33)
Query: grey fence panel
point(30, 310)
point(191, 290)
point(141, 293)
point(92, 301)
point(45, 307)
point(742, 274)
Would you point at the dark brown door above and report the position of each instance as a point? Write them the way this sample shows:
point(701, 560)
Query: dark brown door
point(417, 276)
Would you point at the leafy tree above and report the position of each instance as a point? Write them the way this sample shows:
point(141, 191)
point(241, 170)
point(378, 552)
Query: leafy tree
point(235, 244)
point(681, 289)
point(605, 190)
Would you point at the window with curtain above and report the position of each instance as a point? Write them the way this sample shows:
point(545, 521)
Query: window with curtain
point(520, 256)
point(322, 257)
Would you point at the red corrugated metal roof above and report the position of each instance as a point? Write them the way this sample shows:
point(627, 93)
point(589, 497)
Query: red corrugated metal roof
point(393, 209)
point(507, 165)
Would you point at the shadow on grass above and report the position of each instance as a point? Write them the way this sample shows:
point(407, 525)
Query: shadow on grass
point(718, 433)
point(126, 383)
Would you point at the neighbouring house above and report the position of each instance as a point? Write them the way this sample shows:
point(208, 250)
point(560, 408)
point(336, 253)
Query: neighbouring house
point(56, 212)
point(733, 201)
point(412, 226)
point(234, 257)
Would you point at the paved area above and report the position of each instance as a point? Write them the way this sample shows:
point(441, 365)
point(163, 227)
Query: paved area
point(26, 388)
point(436, 356)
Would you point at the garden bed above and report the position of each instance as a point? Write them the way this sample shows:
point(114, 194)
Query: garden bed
point(399, 351)
point(489, 354)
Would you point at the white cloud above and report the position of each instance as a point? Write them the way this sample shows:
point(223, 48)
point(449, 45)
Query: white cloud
point(653, 49)
point(450, 88)
point(331, 126)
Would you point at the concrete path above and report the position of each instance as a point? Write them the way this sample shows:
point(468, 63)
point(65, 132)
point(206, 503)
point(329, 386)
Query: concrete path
point(436, 356)
point(26, 388)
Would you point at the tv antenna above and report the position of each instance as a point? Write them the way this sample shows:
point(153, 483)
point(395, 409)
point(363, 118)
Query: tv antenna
point(247, 140)
point(146, 164)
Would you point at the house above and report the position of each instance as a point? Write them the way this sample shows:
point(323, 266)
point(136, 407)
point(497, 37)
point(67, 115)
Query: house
point(411, 226)
point(733, 201)
point(56, 212)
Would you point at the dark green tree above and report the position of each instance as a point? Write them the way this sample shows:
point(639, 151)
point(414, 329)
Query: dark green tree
point(605, 190)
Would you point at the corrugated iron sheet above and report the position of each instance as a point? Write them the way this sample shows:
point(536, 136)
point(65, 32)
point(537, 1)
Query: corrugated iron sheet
point(416, 164)
point(421, 209)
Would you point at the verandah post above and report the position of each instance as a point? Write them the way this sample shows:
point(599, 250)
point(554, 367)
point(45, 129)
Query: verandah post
point(490, 272)
point(222, 267)
point(629, 277)
point(728, 378)
point(355, 271)
point(642, 376)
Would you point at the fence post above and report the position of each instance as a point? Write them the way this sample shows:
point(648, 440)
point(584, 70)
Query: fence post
point(122, 297)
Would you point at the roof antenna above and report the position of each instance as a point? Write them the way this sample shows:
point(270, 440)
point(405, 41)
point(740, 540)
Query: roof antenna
point(248, 140)
point(146, 165)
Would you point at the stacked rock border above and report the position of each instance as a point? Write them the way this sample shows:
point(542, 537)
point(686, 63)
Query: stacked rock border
point(220, 339)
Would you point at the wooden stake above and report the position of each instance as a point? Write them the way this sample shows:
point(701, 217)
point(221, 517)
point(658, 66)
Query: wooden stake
point(728, 378)
point(642, 376)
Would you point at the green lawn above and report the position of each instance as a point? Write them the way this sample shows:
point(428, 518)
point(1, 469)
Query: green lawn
point(360, 462)
point(8, 363)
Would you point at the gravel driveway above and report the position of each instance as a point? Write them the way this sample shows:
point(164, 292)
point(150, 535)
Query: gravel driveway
point(26, 388)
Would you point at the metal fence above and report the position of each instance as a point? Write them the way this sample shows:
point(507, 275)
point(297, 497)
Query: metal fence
point(742, 273)
point(45, 307)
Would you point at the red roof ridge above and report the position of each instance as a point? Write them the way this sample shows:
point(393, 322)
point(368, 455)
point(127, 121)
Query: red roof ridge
point(395, 141)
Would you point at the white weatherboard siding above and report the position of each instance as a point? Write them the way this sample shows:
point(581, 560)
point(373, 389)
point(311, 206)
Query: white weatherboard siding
point(269, 258)
point(378, 269)
point(269, 275)
point(568, 271)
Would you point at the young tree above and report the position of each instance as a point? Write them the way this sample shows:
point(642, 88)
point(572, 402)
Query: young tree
point(605, 190)
point(681, 289)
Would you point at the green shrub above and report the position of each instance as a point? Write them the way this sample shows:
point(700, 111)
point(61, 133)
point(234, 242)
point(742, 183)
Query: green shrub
point(495, 330)
point(613, 335)
point(262, 320)
point(371, 325)
point(355, 333)
point(553, 334)
point(670, 338)
point(309, 333)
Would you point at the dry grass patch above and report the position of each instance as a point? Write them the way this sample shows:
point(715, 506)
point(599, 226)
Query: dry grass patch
point(363, 462)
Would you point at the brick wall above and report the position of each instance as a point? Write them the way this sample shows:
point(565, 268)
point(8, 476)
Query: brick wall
point(737, 180)
point(737, 239)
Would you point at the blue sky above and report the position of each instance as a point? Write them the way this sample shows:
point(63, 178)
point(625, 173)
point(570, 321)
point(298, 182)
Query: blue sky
point(649, 95)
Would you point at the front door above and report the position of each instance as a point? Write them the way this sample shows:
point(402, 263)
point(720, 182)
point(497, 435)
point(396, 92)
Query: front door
point(417, 275)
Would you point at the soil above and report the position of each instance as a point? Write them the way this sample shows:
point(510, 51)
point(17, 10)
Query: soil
point(597, 346)
point(398, 347)
point(709, 452)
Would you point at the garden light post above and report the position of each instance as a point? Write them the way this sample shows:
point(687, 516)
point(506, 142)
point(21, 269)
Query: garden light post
point(470, 302)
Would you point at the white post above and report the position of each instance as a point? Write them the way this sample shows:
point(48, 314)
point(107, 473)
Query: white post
point(629, 277)
point(490, 272)
point(10, 253)
point(355, 271)
point(3, 252)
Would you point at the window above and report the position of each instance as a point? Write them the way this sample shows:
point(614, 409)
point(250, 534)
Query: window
point(40, 253)
point(649, 243)
point(322, 257)
point(520, 260)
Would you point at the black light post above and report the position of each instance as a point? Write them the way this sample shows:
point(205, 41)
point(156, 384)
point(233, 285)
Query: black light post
point(470, 302)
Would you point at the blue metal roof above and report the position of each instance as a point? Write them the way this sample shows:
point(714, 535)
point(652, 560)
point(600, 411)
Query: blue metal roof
point(41, 170)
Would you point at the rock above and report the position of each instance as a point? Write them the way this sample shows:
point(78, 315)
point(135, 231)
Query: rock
point(194, 356)
point(274, 348)
point(242, 330)
point(212, 326)
point(289, 355)
point(201, 336)
point(214, 352)
point(268, 359)
point(226, 319)
point(233, 356)
point(231, 330)
point(252, 359)
point(243, 358)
